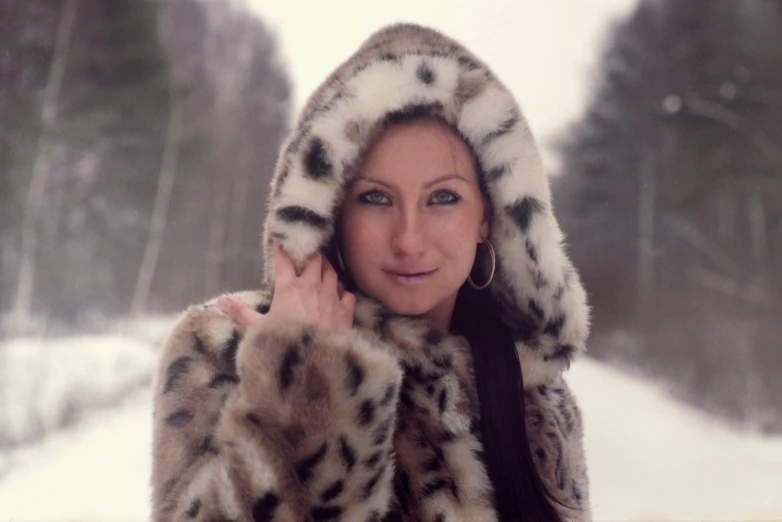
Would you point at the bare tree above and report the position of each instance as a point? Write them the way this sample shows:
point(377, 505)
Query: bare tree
point(646, 221)
point(21, 313)
point(224, 63)
point(157, 227)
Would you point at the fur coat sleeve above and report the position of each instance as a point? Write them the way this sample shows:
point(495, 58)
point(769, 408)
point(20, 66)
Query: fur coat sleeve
point(286, 424)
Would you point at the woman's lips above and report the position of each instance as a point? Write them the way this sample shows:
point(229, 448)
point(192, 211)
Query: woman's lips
point(410, 278)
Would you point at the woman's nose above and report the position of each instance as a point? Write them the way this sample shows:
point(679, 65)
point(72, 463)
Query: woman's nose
point(408, 234)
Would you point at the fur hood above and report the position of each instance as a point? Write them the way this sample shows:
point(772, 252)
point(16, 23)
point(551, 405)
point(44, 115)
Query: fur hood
point(406, 68)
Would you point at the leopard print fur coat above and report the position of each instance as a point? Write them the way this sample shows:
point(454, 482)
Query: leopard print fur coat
point(290, 423)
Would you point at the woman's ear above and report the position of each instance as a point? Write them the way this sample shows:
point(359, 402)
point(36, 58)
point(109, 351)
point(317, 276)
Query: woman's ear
point(484, 230)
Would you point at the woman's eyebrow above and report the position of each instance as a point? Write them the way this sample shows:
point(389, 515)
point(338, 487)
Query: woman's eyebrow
point(428, 184)
point(373, 180)
point(444, 178)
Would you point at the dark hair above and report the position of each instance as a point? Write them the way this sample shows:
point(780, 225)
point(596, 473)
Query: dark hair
point(520, 494)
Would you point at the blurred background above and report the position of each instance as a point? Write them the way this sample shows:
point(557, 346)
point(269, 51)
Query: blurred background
point(138, 137)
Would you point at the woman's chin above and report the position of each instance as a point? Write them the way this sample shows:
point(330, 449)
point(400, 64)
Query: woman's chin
point(408, 308)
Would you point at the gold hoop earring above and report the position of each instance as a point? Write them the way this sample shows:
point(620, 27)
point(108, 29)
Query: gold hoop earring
point(493, 267)
point(341, 262)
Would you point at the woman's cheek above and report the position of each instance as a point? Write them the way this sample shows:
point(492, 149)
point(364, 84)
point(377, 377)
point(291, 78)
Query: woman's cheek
point(367, 233)
point(456, 224)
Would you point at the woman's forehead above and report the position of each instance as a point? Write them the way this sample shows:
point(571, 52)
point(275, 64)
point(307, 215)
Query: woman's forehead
point(426, 146)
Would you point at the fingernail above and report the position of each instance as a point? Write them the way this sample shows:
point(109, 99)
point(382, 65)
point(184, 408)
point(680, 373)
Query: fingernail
point(225, 304)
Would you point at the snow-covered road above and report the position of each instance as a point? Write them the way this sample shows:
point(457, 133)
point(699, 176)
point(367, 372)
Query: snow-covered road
point(653, 458)
point(650, 458)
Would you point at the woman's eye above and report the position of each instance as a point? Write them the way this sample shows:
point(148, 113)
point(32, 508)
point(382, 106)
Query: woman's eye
point(445, 197)
point(374, 197)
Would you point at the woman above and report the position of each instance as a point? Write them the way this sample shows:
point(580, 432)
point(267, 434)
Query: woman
point(409, 364)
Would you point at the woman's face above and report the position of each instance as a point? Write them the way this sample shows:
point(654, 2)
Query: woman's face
point(412, 220)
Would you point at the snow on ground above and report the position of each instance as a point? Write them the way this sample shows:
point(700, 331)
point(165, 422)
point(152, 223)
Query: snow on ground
point(650, 458)
point(96, 471)
point(46, 383)
point(653, 458)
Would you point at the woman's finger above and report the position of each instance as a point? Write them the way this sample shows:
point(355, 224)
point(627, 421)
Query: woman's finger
point(324, 266)
point(348, 301)
point(329, 278)
point(348, 305)
point(283, 264)
point(239, 311)
point(312, 269)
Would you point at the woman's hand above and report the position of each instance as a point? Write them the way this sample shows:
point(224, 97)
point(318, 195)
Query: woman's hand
point(312, 298)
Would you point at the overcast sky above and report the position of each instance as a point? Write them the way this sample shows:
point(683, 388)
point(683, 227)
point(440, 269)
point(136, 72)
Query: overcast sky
point(543, 50)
